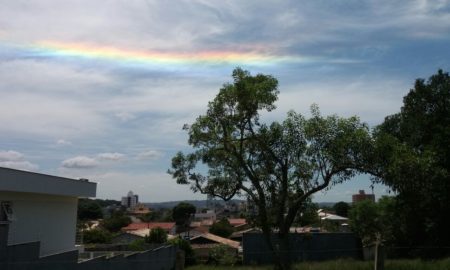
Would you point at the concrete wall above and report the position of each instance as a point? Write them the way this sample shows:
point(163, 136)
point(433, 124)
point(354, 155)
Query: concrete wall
point(49, 219)
point(303, 247)
point(24, 257)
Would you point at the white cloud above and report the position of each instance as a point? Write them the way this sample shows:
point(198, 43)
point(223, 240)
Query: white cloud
point(125, 116)
point(110, 156)
point(80, 162)
point(19, 165)
point(150, 186)
point(10, 155)
point(16, 160)
point(149, 154)
point(63, 142)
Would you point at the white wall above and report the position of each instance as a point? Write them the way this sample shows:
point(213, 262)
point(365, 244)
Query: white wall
point(49, 219)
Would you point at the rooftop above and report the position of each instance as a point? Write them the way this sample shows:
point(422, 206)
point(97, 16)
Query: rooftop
point(149, 225)
point(23, 181)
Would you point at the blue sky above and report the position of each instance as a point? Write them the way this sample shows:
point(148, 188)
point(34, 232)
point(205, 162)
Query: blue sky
point(119, 122)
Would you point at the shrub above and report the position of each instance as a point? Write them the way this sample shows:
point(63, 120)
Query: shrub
point(97, 236)
point(222, 228)
point(137, 245)
point(222, 255)
point(156, 236)
point(186, 247)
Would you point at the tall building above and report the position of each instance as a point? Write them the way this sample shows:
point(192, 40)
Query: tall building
point(130, 200)
point(361, 196)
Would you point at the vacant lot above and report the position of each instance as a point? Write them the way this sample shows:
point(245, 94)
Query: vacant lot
point(347, 265)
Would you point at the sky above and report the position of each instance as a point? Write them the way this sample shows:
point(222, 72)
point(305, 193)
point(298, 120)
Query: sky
point(101, 89)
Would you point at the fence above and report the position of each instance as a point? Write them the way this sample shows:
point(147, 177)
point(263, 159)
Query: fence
point(26, 257)
point(302, 247)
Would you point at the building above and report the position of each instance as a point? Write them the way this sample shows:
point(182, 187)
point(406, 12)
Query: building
point(361, 196)
point(146, 227)
point(41, 209)
point(205, 215)
point(204, 243)
point(38, 216)
point(131, 200)
point(139, 209)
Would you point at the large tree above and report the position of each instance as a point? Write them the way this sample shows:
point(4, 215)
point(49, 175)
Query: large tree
point(278, 166)
point(182, 213)
point(413, 158)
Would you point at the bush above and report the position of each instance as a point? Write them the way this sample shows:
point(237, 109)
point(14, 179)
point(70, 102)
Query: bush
point(116, 222)
point(97, 236)
point(222, 228)
point(137, 245)
point(186, 247)
point(222, 255)
point(156, 236)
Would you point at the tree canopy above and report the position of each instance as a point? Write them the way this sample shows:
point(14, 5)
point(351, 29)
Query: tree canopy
point(222, 228)
point(89, 210)
point(277, 165)
point(157, 235)
point(413, 157)
point(182, 212)
point(341, 209)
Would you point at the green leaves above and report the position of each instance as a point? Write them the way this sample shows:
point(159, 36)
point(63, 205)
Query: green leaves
point(277, 165)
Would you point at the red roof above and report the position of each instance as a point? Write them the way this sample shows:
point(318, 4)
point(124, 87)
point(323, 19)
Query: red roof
point(149, 225)
point(237, 221)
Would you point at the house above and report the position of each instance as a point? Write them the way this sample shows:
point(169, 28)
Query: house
point(204, 243)
point(238, 222)
point(169, 227)
point(39, 208)
point(205, 215)
point(237, 236)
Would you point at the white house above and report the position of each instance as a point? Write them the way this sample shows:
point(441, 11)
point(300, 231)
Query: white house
point(38, 207)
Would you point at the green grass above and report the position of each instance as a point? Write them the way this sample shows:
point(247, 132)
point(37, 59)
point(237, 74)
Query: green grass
point(346, 265)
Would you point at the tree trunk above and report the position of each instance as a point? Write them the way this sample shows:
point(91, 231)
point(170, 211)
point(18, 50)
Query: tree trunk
point(379, 255)
point(285, 251)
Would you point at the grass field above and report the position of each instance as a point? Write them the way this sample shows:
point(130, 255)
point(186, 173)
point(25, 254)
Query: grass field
point(346, 265)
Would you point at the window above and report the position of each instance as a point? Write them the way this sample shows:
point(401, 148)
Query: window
point(6, 212)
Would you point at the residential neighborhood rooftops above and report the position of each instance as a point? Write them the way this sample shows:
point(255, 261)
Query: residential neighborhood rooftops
point(212, 238)
point(149, 225)
point(237, 221)
point(23, 181)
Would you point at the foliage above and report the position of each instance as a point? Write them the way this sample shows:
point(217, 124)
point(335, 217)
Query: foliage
point(308, 215)
point(137, 245)
point(89, 210)
point(222, 255)
point(341, 209)
point(157, 235)
point(412, 156)
point(278, 166)
point(152, 216)
point(96, 236)
point(117, 221)
point(372, 221)
point(182, 212)
point(222, 228)
point(186, 247)
point(345, 264)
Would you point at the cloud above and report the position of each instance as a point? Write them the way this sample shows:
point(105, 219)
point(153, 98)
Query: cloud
point(10, 155)
point(125, 116)
point(16, 160)
point(110, 156)
point(80, 162)
point(150, 186)
point(63, 142)
point(149, 154)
